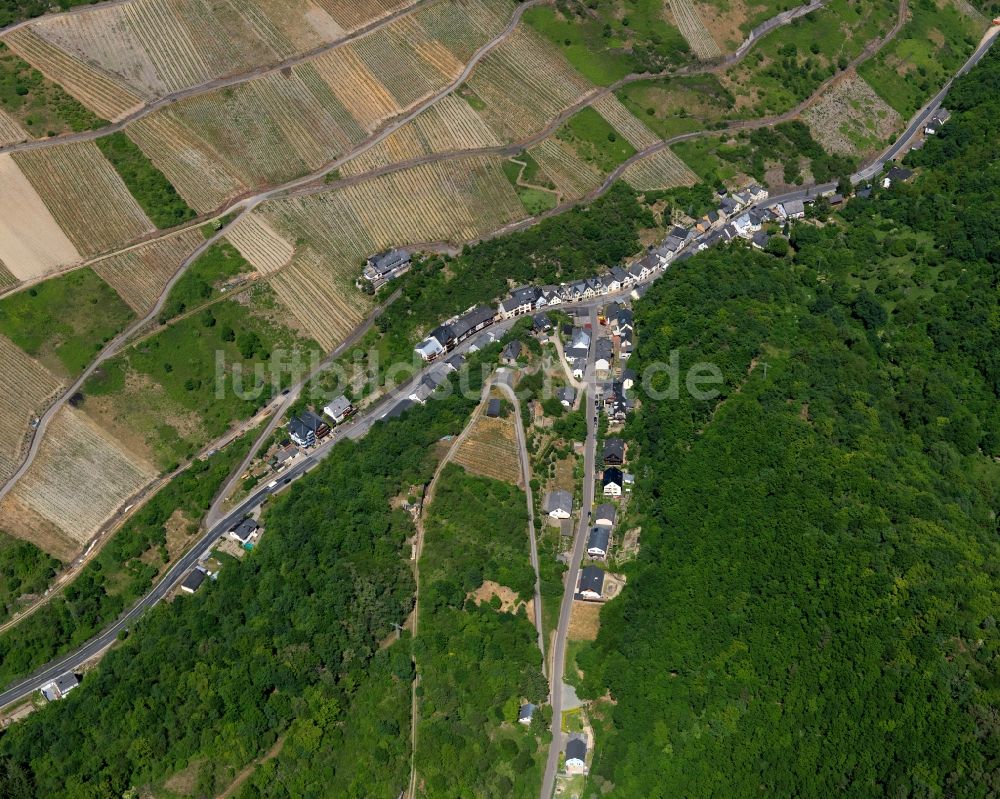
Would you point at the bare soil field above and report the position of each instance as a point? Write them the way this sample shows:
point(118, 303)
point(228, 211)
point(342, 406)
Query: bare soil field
point(490, 450)
point(31, 242)
point(661, 170)
point(509, 600)
point(88, 84)
point(21, 520)
point(25, 385)
point(851, 119)
point(85, 195)
point(139, 275)
point(80, 477)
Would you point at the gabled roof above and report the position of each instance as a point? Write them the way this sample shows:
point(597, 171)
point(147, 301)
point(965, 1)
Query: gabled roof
point(599, 538)
point(194, 580)
point(299, 429)
point(566, 394)
point(592, 579)
point(605, 511)
point(761, 238)
point(526, 712)
point(899, 173)
point(66, 682)
point(512, 350)
point(581, 338)
point(311, 420)
point(613, 475)
point(493, 408)
point(245, 529)
point(338, 406)
point(604, 349)
point(614, 448)
point(559, 500)
point(399, 408)
point(576, 749)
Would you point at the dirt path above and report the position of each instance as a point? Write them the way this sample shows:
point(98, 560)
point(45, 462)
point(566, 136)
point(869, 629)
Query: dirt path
point(244, 775)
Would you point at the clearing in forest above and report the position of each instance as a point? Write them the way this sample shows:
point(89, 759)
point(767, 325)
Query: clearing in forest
point(31, 242)
point(490, 449)
point(140, 274)
point(80, 477)
point(86, 196)
point(25, 386)
point(692, 27)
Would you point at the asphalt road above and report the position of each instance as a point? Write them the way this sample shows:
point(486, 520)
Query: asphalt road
point(569, 589)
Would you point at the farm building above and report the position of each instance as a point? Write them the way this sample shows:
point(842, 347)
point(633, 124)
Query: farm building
point(59, 687)
point(193, 581)
point(339, 409)
point(591, 584)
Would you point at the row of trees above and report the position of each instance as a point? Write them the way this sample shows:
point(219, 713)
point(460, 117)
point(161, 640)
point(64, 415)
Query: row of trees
point(813, 610)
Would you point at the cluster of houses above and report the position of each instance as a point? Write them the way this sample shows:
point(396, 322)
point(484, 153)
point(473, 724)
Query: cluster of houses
point(307, 429)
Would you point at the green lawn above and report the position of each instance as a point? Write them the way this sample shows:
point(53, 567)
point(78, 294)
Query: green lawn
point(678, 105)
point(151, 189)
point(201, 282)
point(40, 106)
point(536, 201)
point(595, 140)
point(611, 38)
point(65, 320)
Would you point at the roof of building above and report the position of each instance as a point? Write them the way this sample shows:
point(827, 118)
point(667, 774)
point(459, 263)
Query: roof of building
point(525, 295)
point(760, 238)
point(613, 475)
point(512, 350)
point(541, 321)
point(794, 207)
point(338, 406)
point(526, 712)
point(493, 408)
point(566, 394)
point(629, 374)
point(576, 749)
point(299, 429)
point(66, 682)
point(430, 347)
point(285, 453)
point(385, 262)
point(604, 349)
point(558, 500)
point(592, 579)
point(456, 361)
point(606, 511)
point(865, 191)
point(615, 448)
point(311, 420)
point(899, 173)
point(194, 579)
point(599, 538)
point(245, 529)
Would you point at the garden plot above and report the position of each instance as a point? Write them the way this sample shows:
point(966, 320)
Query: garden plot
point(625, 122)
point(572, 176)
point(140, 274)
point(523, 84)
point(188, 162)
point(31, 242)
point(320, 294)
point(10, 131)
point(490, 450)
point(80, 477)
point(260, 244)
point(96, 90)
point(693, 29)
point(851, 119)
point(661, 170)
point(446, 126)
point(25, 386)
point(86, 196)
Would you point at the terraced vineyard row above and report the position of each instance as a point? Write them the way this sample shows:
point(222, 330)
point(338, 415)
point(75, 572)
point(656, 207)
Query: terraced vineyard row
point(80, 477)
point(573, 176)
point(7, 278)
point(86, 196)
point(449, 125)
point(693, 29)
point(25, 385)
point(490, 450)
point(10, 131)
point(625, 122)
point(139, 275)
point(260, 244)
point(320, 295)
point(661, 170)
point(91, 87)
point(524, 83)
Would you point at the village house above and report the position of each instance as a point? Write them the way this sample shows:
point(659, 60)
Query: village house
point(937, 120)
point(759, 240)
point(559, 504)
point(526, 713)
point(386, 265)
point(614, 452)
point(605, 515)
point(338, 409)
point(455, 362)
point(398, 409)
point(521, 301)
point(246, 532)
point(428, 385)
point(60, 686)
point(794, 209)
point(285, 454)
point(566, 395)
point(628, 378)
point(613, 482)
point(604, 354)
point(307, 428)
point(897, 174)
point(599, 542)
point(193, 581)
point(541, 322)
point(576, 756)
point(591, 584)
point(511, 353)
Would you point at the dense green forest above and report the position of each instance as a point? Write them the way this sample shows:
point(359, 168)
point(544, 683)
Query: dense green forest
point(150, 187)
point(24, 570)
point(123, 571)
point(292, 632)
point(477, 662)
point(813, 612)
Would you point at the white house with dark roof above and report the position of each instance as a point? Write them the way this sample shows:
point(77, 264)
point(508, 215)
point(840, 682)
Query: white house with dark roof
point(576, 756)
point(604, 354)
point(591, 583)
point(60, 686)
point(246, 532)
point(599, 541)
point(605, 514)
point(559, 504)
point(526, 713)
point(338, 409)
point(613, 482)
point(193, 581)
